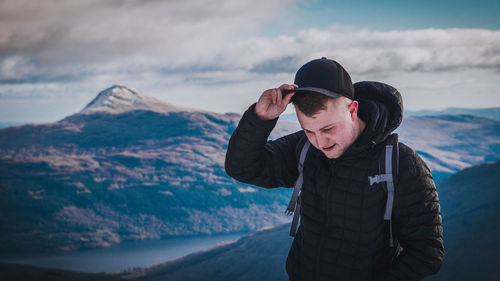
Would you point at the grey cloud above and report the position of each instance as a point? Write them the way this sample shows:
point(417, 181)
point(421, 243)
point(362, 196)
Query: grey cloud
point(44, 78)
point(56, 33)
point(53, 41)
point(283, 64)
point(375, 52)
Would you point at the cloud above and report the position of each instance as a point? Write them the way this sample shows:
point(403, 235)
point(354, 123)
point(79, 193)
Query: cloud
point(15, 67)
point(365, 51)
point(76, 41)
point(59, 35)
point(211, 54)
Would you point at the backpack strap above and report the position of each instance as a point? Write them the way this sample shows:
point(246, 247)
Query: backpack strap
point(294, 204)
point(390, 160)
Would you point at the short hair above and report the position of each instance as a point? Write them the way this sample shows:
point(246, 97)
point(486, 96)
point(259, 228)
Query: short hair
point(310, 103)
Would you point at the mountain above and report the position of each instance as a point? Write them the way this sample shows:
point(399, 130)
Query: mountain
point(289, 117)
point(15, 272)
point(119, 99)
point(470, 206)
point(450, 143)
point(9, 124)
point(125, 168)
point(491, 113)
point(130, 167)
point(258, 256)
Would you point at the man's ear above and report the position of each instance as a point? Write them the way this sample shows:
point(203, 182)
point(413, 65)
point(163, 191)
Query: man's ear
point(353, 110)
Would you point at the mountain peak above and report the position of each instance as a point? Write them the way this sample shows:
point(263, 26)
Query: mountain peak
point(118, 98)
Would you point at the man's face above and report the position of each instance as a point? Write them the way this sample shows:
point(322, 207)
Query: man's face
point(332, 130)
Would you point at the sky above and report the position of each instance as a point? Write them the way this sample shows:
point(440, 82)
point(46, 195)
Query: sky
point(220, 55)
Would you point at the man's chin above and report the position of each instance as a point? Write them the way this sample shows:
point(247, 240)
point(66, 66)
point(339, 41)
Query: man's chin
point(331, 154)
point(332, 157)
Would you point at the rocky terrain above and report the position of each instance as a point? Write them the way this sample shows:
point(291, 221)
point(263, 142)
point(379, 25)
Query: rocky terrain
point(130, 167)
point(470, 206)
point(126, 167)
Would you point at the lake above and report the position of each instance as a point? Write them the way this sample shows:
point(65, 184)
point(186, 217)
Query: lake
point(126, 255)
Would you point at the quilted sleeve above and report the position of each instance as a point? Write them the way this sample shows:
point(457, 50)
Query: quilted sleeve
point(252, 159)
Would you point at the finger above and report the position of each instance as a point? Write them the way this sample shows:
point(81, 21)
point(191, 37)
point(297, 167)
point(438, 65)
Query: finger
point(269, 95)
point(279, 97)
point(286, 87)
point(275, 96)
point(266, 98)
point(287, 98)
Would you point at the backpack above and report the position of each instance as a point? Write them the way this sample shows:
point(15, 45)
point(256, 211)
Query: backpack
point(388, 172)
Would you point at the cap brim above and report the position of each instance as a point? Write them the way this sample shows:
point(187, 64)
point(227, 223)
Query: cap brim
point(312, 90)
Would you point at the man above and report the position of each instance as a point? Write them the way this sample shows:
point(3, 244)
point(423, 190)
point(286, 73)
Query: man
point(342, 234)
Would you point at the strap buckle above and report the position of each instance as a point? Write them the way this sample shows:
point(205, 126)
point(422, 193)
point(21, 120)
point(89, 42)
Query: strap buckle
point(380, 178)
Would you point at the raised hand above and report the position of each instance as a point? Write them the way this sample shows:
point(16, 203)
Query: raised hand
point(272, 103)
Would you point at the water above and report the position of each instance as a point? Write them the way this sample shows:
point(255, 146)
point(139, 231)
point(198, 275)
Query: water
point(126, 255)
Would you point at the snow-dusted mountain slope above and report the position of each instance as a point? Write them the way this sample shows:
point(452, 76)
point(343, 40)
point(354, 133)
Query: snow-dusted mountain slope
point(125, 169)
point(132, 167)
point(450, 143)
point(118, 99)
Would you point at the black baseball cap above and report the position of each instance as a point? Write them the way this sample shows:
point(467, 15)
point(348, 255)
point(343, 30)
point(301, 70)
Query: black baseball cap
point(323, 76)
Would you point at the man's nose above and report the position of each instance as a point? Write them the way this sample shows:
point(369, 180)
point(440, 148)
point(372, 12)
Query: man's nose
point(321, 140)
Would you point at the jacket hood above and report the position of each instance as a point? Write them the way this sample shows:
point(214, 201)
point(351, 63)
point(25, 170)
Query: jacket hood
point(381, 108)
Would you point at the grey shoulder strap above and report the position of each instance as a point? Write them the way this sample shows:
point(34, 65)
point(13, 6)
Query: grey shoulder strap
point(390, 182)
point(388, 176)
point(390, 190)
point(294, 204)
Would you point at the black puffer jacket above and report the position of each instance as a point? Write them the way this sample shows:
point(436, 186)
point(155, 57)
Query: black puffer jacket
point(342, 235)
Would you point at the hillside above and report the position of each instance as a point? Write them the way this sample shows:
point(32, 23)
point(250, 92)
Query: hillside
point(490, 113)
point(118, 99)
point(131, 167)
point(470, 206)
point(450, 143)
point(14, 272)
point(258, 256)
point(114, 172)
